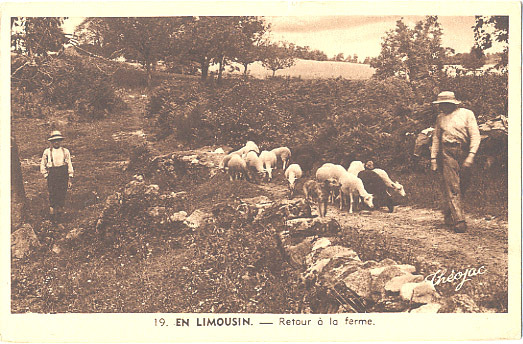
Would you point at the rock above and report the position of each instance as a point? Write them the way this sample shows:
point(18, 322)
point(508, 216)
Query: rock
point(428, 308)
point(405, 268)
point(360, 282)
point(387, 262)
point(138, 177)
point(421, 292)
point(56, 249)
point(321, 243)
point(394, 285)
point(299, 252)
point(181, 194)
point(315, 226)
point(195, 161)
point(338, 252)
point(189, 157)
point(75, 233)
point(113, 199)
point(379, 280)
point(219, 151)
point(295, 208)
point(152, 189)
point(23, 241)
point(178, 216)
point(155, 211)
point(370, 264)
point(341, 271)
point(459, 303)
point(196, 219)
point(317, 267)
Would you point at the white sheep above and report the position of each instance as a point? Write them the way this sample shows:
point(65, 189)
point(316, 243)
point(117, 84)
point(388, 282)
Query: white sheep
point(292, 173)
point(397, 187)
point(329, 171)
point(237, 168)
point(283, 154)
point(254, 163)
point(269, 160)
point(355, 167)
point(352, 187)
point(249, 146)
point(226, 159)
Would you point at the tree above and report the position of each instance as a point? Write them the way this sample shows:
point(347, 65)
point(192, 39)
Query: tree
point(339, 57)
point(474, 60)
point(483, 39)
point(278, 56)
point(253, 30)
point(413, 54)
point(37, 36)
point(142, 39)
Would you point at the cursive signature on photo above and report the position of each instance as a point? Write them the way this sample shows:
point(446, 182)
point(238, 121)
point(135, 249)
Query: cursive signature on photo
point(441, 277)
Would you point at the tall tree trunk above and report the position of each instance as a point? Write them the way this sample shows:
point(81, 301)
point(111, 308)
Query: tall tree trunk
point(220, 70)
point(18, 203)
point(205, 69)
point(149, 76)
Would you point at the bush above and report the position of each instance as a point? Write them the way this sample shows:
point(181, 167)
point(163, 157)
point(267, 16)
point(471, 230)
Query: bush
point(343, 119)
point(66, 82)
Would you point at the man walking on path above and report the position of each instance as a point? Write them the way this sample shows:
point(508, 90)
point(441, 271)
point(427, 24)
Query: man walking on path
point(57, 168)
point(455, 142)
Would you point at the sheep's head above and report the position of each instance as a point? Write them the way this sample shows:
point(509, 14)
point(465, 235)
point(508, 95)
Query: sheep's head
point(400, 189)
point(368, 200)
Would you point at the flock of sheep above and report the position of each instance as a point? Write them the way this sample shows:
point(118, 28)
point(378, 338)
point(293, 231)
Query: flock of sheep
point(333, 182)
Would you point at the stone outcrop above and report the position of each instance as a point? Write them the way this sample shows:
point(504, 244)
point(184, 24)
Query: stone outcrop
point(24, 241)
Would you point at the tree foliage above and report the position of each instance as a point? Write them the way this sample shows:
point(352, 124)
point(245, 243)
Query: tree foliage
point(278, 56)
point(412, 53)
point(499, 26)
point(37, 35)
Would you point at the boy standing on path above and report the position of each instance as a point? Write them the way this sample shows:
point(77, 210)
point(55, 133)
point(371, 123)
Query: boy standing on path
point(57, 168)
point(455, 142)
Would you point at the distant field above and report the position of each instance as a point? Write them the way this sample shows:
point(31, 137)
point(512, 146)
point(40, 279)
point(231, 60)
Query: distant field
point(307, 69)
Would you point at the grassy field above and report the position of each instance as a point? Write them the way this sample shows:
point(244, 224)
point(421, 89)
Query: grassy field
point(307, 69)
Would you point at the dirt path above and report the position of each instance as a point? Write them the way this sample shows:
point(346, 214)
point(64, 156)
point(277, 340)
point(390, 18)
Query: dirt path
point(422, 232)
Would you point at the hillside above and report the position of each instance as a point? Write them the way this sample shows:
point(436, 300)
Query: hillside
point(308, 69)
point(244, 247)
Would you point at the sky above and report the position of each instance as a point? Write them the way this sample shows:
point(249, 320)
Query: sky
point(351, 35)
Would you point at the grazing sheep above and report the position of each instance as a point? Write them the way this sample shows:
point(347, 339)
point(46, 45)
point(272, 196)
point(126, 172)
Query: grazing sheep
point(292, 173)
point(352, 187)
point(269, 160)
point(395, 186)
point(283, 154)
point(249, 146)
point(375, 185)
point(226, 159)
point(355, 167)
point(254, 164)
point(237, 168)
point(330, 171)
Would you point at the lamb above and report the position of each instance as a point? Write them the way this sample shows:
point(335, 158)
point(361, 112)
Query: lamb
point(319, 193)
point(375, 185)
point(292, 173)
point(397, 187)
point(283, 154)
point(269, 160)
point(352, 187)
point(355, 167)
point(237, 168)
point(254, 164)
point(329, 171)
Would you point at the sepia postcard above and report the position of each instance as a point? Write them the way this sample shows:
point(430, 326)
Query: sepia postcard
point(260, 171)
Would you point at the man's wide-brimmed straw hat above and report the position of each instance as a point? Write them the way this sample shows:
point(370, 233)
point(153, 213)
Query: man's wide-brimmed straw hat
point(446, 97)
point(55, 135)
